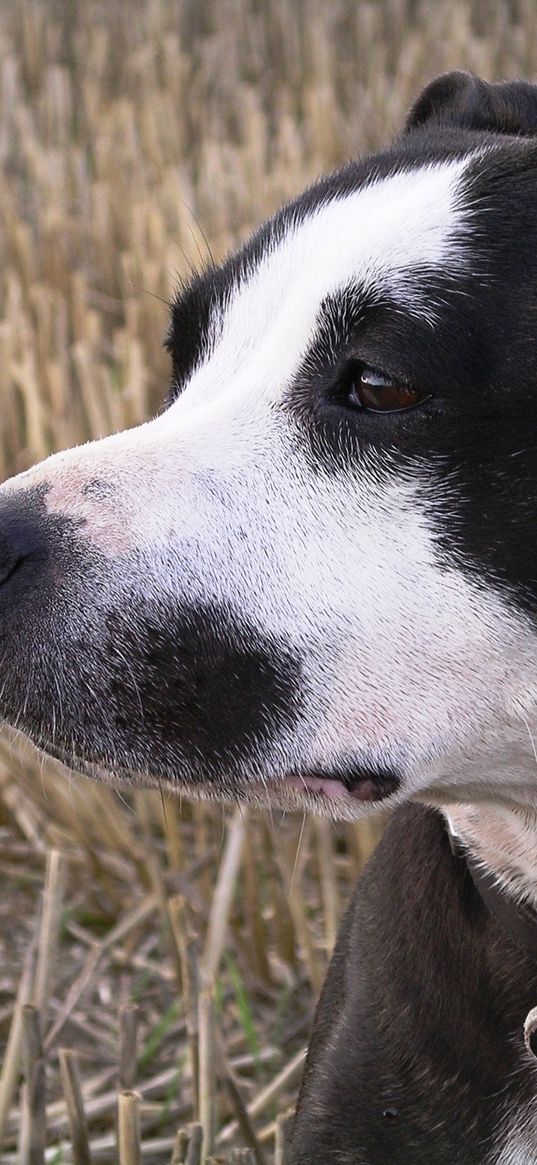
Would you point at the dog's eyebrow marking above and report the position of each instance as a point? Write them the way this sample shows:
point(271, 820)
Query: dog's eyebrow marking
point(191, 329)
point(338, 319)
point(383, 238)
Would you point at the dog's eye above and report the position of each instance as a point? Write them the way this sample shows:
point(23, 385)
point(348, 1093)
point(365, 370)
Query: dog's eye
point(379, 393)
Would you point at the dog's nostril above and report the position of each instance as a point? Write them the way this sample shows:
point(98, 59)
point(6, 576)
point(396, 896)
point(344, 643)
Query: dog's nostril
point(8, 569)
point(32, 544)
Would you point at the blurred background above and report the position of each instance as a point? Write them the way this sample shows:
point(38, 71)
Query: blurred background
point(159, 962)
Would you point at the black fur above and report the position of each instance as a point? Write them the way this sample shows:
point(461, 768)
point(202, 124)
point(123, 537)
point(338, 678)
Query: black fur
point(417, 1051)
point(417, 1046)
point(475, 432)
point(182, 661)
point(480, 367)
point(467, 102)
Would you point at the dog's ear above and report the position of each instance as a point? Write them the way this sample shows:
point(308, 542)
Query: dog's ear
point(460, 99)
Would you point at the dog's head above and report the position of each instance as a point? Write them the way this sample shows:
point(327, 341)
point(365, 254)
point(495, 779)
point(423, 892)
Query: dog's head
point(311, 579)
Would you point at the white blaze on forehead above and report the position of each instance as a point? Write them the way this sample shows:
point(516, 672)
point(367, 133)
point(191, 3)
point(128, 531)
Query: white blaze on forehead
point(377, 237)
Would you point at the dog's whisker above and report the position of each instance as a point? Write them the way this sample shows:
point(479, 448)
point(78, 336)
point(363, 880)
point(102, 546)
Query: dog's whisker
point(528, 729)
point(165, 820)
point(298, 848)
point(202, 233)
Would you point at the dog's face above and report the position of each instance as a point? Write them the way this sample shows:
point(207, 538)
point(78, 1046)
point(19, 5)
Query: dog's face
point(311, 579)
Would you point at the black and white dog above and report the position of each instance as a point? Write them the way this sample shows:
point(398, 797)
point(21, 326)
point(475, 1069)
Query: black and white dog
point(312, 581)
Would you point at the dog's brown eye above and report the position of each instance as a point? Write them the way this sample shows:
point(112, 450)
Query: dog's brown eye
point(379, 393)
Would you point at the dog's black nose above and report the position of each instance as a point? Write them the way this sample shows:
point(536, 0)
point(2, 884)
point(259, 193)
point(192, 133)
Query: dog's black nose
point(30, 539)
point(22, 536)
point(18, 541)
point(10, 561)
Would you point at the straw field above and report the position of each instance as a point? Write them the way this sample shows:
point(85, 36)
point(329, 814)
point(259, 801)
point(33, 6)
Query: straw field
point(159, 961)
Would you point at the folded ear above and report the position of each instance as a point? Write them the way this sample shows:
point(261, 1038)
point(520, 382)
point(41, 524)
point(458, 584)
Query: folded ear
point(462, 100)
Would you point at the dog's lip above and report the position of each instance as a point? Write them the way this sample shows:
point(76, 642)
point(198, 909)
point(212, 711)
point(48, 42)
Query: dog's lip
point(354, 786)
point(331, 788)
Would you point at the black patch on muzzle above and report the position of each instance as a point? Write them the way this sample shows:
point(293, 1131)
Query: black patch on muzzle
point(201, 687)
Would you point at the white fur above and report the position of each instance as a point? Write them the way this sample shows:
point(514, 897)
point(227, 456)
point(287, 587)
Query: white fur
point(504, 839)
point(404, 663)
point(520, 1139)
point(377, 237)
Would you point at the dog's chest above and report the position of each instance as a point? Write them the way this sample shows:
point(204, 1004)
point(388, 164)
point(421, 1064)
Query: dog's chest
point(504, 840)
point(520, 1145)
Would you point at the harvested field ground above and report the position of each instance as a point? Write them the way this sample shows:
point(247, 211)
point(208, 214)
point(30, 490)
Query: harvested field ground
point(163, 959)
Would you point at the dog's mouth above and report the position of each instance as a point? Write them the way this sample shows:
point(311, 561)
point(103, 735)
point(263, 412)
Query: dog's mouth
point(332, 792)
point(354, 785)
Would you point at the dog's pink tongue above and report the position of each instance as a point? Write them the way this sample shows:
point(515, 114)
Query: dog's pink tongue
point(335, 790)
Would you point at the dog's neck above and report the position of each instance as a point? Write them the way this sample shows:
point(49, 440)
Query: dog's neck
point(504, 839)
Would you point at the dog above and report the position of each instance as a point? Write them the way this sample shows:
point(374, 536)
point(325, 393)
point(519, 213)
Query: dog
point(311, 581)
